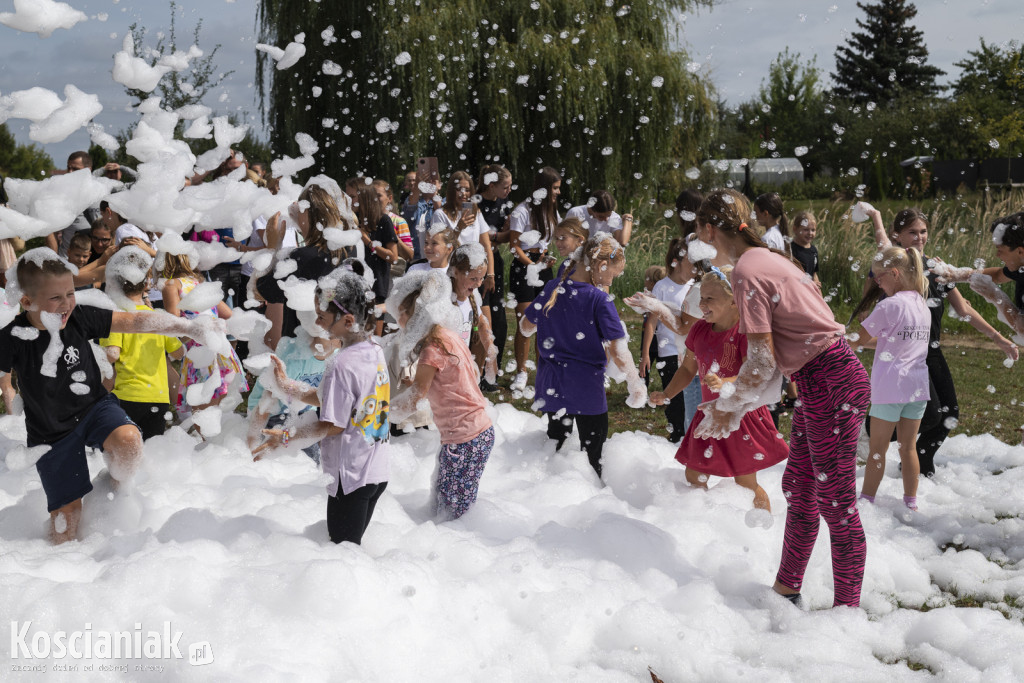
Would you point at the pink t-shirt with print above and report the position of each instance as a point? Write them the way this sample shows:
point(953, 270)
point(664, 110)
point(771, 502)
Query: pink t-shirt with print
point(460, 411)
point(776, 296)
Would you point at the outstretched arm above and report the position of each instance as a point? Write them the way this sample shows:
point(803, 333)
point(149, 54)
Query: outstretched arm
point(1007, 311)
point(619, 353)
point(677, 321)
point(206, 330)
point(308, 431)
point(684, 375)
point(964, 309)
point(404, 404)
point(737, 398)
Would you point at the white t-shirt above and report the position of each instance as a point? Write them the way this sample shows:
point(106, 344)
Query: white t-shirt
point(259, 227)
point(521, 223)
point(774, 239)
point(594, 226)
point(422, 266)
point(674, 295)
point(467, 236)
point(466, 331)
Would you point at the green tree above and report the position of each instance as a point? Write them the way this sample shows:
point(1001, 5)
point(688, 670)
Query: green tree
point(987, 100)
point(22, 161)
point(592, 89)
point(888, 59)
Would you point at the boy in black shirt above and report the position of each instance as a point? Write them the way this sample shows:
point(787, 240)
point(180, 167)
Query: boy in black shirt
point(66, 406)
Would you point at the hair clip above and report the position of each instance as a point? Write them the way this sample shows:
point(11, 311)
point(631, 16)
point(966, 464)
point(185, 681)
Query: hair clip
point(718, 271)
point(742, 225)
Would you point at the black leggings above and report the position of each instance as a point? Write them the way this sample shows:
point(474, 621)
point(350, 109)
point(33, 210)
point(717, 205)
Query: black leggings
point(675, 411)
point(935, 430)
point(349, 515)
point(593, 431)
point(495, 301)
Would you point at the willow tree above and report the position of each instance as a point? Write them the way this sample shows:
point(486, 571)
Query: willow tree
point(591, 87)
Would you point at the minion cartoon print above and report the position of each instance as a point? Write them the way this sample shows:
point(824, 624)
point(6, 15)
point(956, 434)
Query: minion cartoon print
point(371, 416)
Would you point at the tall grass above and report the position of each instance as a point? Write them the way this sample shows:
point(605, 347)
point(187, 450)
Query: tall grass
point(958, 234)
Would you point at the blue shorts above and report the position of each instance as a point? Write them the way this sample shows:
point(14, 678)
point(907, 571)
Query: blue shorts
point(63, 469)
point(892, 412)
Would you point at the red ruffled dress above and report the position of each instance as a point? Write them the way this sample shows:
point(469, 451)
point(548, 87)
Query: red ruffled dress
point(756, 444)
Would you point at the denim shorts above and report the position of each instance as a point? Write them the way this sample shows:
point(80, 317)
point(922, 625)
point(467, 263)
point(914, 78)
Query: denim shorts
point(63, 469)
point(892, 412)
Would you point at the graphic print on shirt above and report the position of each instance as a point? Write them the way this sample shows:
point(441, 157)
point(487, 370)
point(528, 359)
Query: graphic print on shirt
point(71, 357)
point(371, 417)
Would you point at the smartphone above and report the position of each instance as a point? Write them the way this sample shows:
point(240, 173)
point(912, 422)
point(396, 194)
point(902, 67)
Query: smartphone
point(467, 206)
point(427, 167)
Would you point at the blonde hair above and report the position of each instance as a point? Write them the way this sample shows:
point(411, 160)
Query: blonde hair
point(721, 277)
point(575, 227)
point(909, 264)
point(604, 247)
point(178, 266)
point(801, 216)
point(655, 273)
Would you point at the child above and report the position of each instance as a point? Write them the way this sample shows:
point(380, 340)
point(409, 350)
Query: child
point(771, 215)
point(532, 225)
point(803, 236)
point(199, 365)
point(569, 236)
point(66, 406)
point(573, 318)
point(462, 215)
point(598, 216)
point(899, 328)
point(468, 265)
point(649, 341)
point(715, 349)
point(354, 399)
point(447, 377)
point(387, 200)
point(139, 360)
point(672, 291)
point(437, 249)
point(305, 359)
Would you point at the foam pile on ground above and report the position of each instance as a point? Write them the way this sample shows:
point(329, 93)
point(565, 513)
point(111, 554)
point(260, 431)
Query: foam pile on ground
point(549, 577)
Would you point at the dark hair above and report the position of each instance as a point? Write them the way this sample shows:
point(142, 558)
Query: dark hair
point(367, 208)
point(543, 214)
point(688, 201)
point(729, 212)
point(460, 262)
point(105, 205)
point(84, 156)
point(80, 241)
point(1013, 232)
point(603, 202)
point(348, 295)
point(451, 190)
point(676, 251)
point(771, 203)
point(30, 273)
point(907, 217)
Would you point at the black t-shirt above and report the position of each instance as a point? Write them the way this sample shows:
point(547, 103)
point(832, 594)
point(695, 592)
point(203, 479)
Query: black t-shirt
point(53, 405)
point(1018, 288)
point(807, 256)
point(495, 212)
point(385, 235)
point(311, 264)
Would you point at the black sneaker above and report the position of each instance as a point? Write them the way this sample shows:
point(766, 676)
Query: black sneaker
point(487, 387)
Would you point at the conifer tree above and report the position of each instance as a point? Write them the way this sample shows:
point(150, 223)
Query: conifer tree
point(590, 87)
point(888, 59)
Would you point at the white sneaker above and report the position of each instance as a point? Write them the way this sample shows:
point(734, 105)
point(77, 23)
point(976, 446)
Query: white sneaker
point(519, 383)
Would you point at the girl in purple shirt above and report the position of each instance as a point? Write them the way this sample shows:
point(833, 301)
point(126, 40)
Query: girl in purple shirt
point(573, 318)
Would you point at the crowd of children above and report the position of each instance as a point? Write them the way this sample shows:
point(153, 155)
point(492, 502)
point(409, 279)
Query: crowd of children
point(383, 318)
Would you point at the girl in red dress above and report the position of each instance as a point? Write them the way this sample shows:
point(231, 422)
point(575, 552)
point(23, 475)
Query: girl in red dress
point(715, 349)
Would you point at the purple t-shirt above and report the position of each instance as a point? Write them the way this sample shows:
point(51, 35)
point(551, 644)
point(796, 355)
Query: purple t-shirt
point(570, 372)
point(901, 324)
point(355, 394)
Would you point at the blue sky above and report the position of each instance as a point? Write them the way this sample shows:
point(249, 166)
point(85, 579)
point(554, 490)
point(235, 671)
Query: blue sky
point(734, 43)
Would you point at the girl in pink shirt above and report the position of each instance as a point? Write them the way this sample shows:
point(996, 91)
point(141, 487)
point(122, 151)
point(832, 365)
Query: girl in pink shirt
point(446, 375)
point(790, 328)
point(898, 330)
